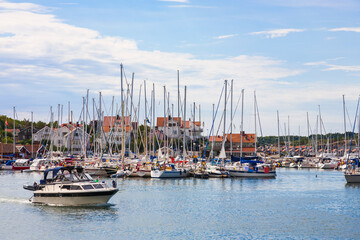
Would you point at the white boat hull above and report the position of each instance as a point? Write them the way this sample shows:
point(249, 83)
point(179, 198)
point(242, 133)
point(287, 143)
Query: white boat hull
point(168, 174)
point(74, 198)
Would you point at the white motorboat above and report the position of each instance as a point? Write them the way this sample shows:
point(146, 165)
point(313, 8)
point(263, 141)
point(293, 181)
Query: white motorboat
point(42, 164)
point(217, 172)
point(169, 172)
point(328, 164)
point(70, 186)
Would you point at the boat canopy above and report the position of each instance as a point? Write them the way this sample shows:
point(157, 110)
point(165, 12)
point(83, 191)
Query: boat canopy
point(251, 160)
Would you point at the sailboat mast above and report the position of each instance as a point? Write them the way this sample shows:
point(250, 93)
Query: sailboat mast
point(321, 135)
point(278, 128)
point(212, 142)
point(145, 122)
point(32, 135)
point(122, 117)
point(255, 121)
point(242, 123)
point(359, 135)
point(131, 107)
point(14, 139)
point(345, 148)
point(178, 102)
point(51, 131)
point(153, 119)
point(184, 125)
point(224, 133)
point(231, 118)
point(307, 124)
point(165, 124)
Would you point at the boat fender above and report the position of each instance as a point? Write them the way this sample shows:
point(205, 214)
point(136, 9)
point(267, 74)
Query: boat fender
point(113, 183)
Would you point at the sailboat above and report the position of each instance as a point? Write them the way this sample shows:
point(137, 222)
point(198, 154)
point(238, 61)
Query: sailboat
point(352, 172)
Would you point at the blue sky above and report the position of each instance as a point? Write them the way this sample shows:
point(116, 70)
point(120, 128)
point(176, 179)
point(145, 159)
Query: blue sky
point(296, 55)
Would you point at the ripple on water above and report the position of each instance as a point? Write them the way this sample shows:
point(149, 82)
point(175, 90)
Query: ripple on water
point(298, 204)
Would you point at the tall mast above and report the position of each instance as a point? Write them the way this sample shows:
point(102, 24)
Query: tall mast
point(100, 124)
point(320, 124)
point(153, 119)
point(32, 134)
point(61, 119)
point(165, 123)
point(200, 127)
point(212, 142)
point(184, 135)
point(131, 107)
point(69, 112)
point(51, 131)
point(178, 101)
point(224, 133)
point(83, 124)
point(86, 120)
point(145, 122)
point(359, 135)
point(14, 135)
point(308, 126)
point(316, 136)
point(289, 133)
point(242, 122)
point(278, 127)
point(58, 127)
point(193, 145)
point(344, 125)
point(231, 118)
point(286, 143)
point(122, 117)
point(255, 121)
point(94, 132)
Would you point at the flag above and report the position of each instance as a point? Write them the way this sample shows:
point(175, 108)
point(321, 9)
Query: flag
point(147, 120)
point(6, 123)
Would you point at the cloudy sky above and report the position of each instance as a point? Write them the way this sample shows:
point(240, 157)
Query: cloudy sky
point(296, 55)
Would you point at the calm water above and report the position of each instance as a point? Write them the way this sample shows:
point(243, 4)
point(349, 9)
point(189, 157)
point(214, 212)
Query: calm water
point(298, 204)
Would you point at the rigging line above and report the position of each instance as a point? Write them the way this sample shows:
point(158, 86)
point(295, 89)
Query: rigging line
point(221, 119)
point(212, 125)
point(352, 135)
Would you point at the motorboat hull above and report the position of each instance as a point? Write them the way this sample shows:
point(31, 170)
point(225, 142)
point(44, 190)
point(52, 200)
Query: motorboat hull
point(74, 198)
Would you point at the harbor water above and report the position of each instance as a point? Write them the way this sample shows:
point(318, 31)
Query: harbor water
point(298, 204)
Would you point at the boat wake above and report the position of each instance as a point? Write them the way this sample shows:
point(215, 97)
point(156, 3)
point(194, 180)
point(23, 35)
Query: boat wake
point(15, 200)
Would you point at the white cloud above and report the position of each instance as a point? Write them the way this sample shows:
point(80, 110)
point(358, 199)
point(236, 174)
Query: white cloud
point(188, 6)
point(226, 36)
point(23, 7)
point(346, 29)
point(178, 1)
point(331, 67)
point(277, 32)
point(334, 67)
point(343, 4)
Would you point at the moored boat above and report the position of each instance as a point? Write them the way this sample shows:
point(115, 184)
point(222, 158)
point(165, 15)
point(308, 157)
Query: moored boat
point(70, 186)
